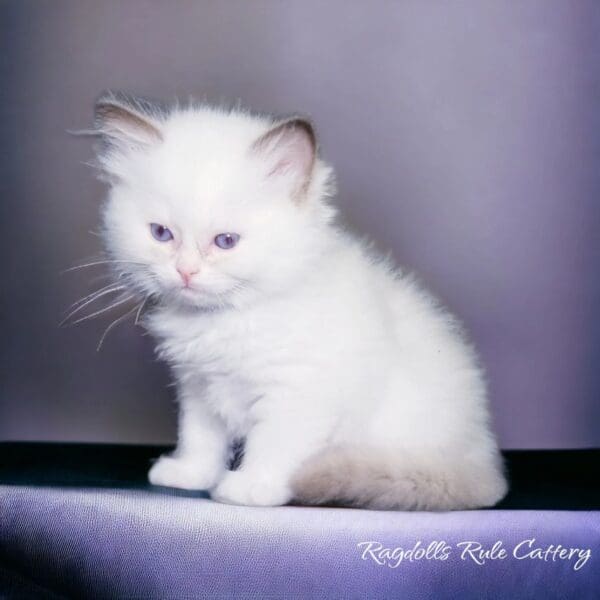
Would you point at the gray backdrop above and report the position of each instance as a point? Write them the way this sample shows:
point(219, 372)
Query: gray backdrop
point(466, 140)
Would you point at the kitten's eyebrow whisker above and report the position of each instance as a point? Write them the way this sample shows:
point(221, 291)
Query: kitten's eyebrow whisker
point(103, 310)
point(93, 298)
point(113, 324)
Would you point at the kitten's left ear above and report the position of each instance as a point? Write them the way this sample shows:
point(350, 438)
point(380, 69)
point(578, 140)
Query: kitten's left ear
point(125, 121)
point(290, 150)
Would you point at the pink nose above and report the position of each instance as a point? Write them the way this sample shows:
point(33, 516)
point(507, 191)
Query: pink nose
point(186, 275)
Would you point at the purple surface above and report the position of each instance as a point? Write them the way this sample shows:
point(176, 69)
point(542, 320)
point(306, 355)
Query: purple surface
point(136, 543)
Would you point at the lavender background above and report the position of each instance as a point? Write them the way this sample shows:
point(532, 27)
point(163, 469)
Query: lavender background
point(465, 136)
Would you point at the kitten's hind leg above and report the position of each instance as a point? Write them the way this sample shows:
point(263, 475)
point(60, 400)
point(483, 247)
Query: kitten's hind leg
point(201, 456)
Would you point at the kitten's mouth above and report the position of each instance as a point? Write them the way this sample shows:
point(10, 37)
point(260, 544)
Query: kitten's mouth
point(188, 292)
point(193, 295)
point(197, 297)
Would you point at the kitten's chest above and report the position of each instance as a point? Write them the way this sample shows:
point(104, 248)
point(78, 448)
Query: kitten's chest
point(236, 349)
point(227, 360)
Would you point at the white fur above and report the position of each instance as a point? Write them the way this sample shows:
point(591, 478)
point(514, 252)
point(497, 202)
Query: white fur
point(299, 340)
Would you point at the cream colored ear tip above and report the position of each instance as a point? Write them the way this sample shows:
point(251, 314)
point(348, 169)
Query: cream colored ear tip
point(125, 118)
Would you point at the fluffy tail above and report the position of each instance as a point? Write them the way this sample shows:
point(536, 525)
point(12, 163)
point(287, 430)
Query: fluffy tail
point(385, 480)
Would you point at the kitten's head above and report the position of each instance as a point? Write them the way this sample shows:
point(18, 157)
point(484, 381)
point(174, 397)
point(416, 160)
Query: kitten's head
point(209, 207)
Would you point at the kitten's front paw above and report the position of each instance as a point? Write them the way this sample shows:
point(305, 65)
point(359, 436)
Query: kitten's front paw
point(251, 489)
point(176, 472)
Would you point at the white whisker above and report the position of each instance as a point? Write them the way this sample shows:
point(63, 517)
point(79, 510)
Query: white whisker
point(103, 310)
point(113, 324)
point(94, 294)
point(110, 290)
point(140, 309)
point(102, 262)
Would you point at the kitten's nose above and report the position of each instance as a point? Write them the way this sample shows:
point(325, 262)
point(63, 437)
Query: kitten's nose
point(186, 275)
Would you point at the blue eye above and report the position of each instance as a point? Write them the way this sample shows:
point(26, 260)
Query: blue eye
point(226, 241)
point(160, 232)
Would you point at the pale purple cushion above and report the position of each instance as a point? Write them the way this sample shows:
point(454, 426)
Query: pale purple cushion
point(143, 543)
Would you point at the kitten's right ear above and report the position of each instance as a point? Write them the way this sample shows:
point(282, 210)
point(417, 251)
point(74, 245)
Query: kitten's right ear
point(124, 121)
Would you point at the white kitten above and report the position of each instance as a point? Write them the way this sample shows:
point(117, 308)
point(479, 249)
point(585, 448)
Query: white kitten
point(347, 382)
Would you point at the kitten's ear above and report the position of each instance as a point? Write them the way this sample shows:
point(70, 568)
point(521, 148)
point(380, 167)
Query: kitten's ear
point(125, 121)
point(290, 150)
